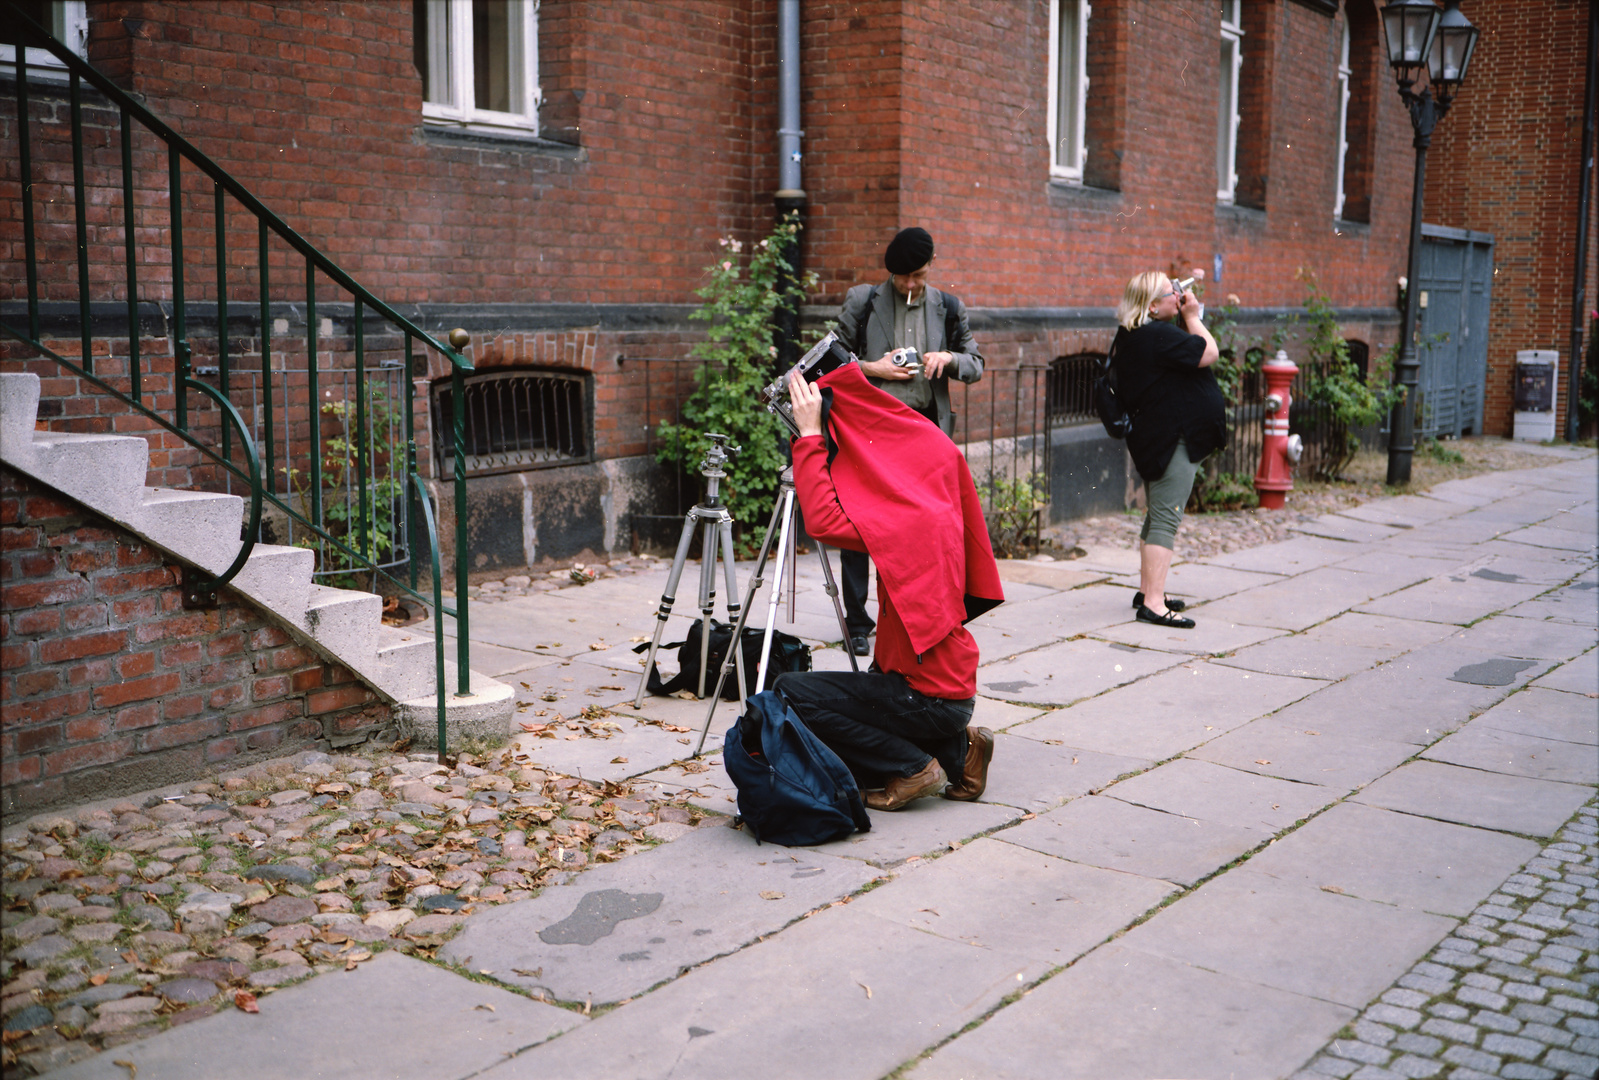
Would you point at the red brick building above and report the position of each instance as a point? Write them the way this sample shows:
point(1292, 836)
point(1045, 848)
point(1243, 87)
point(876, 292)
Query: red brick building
point(1053, 148)
point(1507, 160)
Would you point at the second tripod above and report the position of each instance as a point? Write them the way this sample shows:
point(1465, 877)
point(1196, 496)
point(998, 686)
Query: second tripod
point(716, 528)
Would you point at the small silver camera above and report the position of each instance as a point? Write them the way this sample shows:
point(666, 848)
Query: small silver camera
point(907, 358)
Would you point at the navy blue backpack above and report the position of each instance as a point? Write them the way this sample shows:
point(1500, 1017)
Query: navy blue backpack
point(792, 790)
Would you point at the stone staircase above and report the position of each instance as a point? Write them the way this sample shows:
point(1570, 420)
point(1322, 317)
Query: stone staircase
point(106, 474)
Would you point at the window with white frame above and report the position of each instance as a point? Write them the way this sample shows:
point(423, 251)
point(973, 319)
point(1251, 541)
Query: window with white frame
point(68, 23)
point(479, 63)
point(1068, 87)
point(1343, 122)
point(1232, 61)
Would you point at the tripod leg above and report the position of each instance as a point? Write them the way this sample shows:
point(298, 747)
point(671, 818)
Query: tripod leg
point(757, 579)
point(838, 606)
point(668, 598)
point(783, 540)
point(734, 611)
point(707, 595)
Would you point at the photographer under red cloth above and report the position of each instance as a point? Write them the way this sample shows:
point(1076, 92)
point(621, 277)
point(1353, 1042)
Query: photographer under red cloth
point(898, 489)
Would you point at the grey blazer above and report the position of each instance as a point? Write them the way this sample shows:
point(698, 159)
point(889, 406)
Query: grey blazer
point(967, 364)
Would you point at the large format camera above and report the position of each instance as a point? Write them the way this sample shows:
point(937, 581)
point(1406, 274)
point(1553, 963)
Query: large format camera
point(826, 355)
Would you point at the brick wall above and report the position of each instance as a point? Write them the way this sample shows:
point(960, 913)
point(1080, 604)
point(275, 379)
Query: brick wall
point(1506, 160)
point(109, 686)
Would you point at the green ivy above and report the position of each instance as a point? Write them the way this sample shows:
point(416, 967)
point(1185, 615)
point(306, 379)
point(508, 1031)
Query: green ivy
point(742, 295)
point(1013, 509)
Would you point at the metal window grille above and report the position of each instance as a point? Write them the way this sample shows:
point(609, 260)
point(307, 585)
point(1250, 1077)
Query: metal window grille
point(1070, 387)
point(517, 420)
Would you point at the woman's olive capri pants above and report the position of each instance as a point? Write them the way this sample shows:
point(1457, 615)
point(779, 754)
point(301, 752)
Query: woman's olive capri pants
point(1166, 498)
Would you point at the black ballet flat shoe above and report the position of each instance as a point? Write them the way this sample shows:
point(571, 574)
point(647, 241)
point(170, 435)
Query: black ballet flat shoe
point(1167, 618)
point(1172, 603)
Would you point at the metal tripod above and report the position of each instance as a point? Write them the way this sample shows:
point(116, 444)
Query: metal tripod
point(717, 525)
point(781, 528)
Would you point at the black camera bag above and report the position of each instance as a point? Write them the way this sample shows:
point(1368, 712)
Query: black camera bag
point(1106, 404)
point(789, 653)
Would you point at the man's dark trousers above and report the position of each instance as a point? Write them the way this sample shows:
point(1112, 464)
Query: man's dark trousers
point(878, 724)
point(855, 570)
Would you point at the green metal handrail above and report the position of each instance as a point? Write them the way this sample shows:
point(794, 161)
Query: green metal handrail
point(362, 527)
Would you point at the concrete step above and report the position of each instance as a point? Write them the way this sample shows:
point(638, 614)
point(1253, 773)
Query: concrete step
point(485, 712)
point(405, 659)
point(200, 526)
point(345, 622)
point(277, 576)
point(19, 411)
point(97, 470)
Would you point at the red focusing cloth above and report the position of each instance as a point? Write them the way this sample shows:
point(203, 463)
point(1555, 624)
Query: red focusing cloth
point(910, 494)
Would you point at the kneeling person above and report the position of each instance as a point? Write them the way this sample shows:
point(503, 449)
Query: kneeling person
point(886, 481)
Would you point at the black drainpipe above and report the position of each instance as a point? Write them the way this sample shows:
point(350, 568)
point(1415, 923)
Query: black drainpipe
point(1579, 285)
point(790, 196)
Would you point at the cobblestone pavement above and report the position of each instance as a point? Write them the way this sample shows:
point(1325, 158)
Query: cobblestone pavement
point(1513, 993)
point(124, 919)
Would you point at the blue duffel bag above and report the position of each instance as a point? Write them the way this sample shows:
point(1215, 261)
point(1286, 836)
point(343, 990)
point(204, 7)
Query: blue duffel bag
point(792, 789)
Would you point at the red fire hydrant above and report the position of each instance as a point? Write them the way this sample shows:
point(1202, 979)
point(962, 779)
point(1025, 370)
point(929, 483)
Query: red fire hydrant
point(1279, 451)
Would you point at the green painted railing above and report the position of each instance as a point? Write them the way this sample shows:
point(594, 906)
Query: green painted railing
point(359, 545)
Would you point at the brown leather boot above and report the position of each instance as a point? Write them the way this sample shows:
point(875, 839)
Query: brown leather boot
point(903, 789)
point(974, 776)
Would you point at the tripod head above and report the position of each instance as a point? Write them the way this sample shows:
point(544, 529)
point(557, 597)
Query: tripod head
point(718, 454)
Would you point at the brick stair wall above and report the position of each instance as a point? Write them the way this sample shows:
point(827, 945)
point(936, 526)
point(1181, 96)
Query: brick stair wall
point(108, 686)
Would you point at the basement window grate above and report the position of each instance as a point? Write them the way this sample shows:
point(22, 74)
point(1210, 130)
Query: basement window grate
point(1069, 387)
point(515, 421)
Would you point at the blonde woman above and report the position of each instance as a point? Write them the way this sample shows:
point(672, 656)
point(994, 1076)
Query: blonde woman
point(1163, 356)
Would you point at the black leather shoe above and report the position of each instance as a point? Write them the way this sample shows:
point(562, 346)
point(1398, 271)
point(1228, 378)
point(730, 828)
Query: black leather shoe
point(859, 645)
point(1172, 603)
point(1165, 618)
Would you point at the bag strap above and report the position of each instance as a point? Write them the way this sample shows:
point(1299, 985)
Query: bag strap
point(866, 317)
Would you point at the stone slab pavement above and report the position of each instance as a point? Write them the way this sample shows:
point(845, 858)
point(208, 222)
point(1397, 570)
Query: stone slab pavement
point(1292, 842)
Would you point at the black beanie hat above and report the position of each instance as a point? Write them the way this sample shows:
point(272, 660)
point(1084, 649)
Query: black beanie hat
point(909, 251)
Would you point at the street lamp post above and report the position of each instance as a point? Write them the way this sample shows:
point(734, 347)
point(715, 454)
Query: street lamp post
point(1420, 36)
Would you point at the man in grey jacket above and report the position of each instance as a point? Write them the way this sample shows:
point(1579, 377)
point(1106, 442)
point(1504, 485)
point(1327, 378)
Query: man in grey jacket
point(875, 322)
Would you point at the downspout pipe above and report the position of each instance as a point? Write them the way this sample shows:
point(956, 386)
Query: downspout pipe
point(1579, 284)
point(790, 195)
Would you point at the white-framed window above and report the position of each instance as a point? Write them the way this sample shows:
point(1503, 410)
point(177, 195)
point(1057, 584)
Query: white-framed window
point(1343, 122)
point(1068, 87)
point(480, 64)
point(1232, 61)
point(68, 23)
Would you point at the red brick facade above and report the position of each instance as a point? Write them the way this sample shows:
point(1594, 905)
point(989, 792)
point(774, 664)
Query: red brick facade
point(1507, 160)
point(110, 686)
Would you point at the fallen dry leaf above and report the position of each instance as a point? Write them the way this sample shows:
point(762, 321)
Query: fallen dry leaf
point(245, 1001)
point(863, 986)
point(1332, 889)
point(1312, 733)
point(485, 1008)
point(133, 1070)
point(1262, 761)
point(771, 894)
point(619, 761)
point(98, 980)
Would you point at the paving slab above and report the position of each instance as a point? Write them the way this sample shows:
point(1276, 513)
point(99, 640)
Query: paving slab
point(1293, 556)
point(925, 826)
point(1302, 656)
point(1212, 636)
point(1039, 776)
point(1473, 490)
point(1483, 747)
point(1487, 800)
point(1578, 604)
point(1383, 632)
point(710, 789)
point(1170, 712)
point(1422, 560)
point(1102, 831)
point(1069, 671)
point(634, 748)
point(1121, 1014)
point(1402, 510)
point(1510, 635)
point(840, 996)
point(616, 930)
point(1341, 527)
point(1015, 900)
point(1547, 714)
point(1553, 537)
point(1453, 600)
point(1279, 746)
point(1292, 937)
point(1202, 581)
point(396, 1017)
point(1109, 560)
point(1050, 618)
point(1309, 598)
point(1580, 676)
point(1059, 575)
point(998, 715)
point(1396, 859)
point(1211, 792)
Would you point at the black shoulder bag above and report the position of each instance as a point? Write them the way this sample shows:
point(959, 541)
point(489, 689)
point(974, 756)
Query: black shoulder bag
point(1110, 409)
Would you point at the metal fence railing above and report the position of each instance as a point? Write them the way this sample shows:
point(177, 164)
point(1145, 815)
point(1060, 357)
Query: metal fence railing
point(196, 242)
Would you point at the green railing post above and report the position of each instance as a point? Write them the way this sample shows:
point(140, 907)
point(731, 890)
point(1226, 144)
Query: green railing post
point(266, 363)
point(26, 163)
point(80, 197)
point(222, 305)
point(438, 604)
point(363, 526)
point(458, 407)
point(180, 317)
point(316, 404)
point(406, 388)
point(128, 243)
